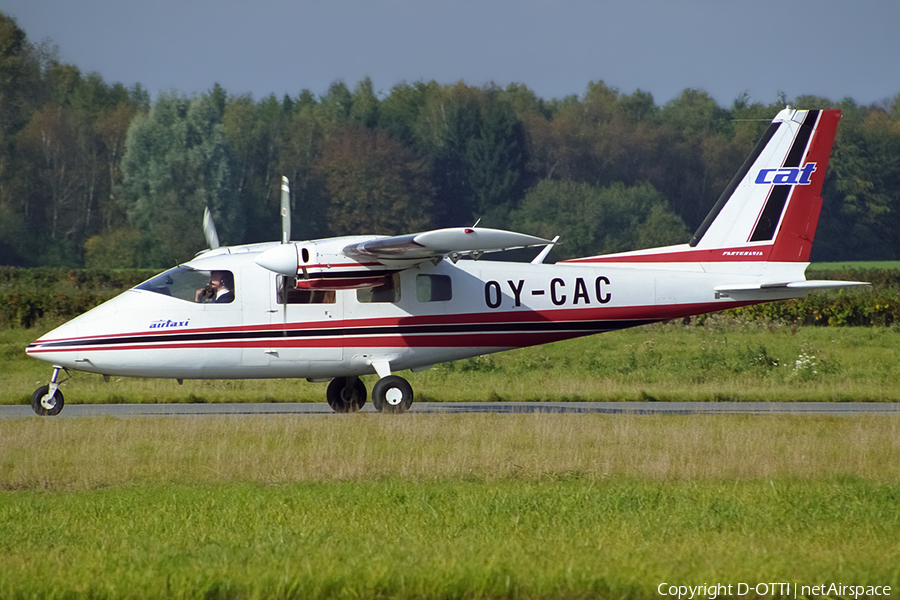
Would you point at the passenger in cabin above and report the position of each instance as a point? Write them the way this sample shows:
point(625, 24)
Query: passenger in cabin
point(220, 289)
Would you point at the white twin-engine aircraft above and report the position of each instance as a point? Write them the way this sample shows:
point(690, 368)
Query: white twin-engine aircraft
point(335, 309)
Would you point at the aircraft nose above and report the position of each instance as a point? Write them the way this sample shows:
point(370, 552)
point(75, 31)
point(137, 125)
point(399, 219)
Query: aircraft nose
point(42, 348)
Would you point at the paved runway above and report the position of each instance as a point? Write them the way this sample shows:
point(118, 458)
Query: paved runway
point(643, 408)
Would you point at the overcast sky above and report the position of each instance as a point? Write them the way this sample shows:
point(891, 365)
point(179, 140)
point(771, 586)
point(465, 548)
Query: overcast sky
point(830, 48)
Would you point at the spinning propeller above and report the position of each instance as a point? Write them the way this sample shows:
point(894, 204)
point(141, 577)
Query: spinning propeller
point(209, 230)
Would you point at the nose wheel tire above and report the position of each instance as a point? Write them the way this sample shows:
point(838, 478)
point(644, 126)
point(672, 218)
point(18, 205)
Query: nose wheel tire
point(392, 394)
point(346, 394)
point(45, 405)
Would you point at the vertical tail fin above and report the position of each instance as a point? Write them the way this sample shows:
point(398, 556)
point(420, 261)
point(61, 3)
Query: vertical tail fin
point(772, 205)
point(769, 211)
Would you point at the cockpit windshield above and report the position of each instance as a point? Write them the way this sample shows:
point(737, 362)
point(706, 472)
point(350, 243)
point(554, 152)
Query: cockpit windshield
point(193, 285)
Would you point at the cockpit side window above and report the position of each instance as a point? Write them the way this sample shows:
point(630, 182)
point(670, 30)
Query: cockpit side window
point(193, 285)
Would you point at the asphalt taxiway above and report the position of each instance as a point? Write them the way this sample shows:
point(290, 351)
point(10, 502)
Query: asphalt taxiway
point(632, 408)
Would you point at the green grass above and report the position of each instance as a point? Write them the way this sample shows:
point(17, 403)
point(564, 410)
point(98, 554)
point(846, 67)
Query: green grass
point(857, 265)
point(91, 453)
point(443, 506)
point(725, 359)
point(398, 539)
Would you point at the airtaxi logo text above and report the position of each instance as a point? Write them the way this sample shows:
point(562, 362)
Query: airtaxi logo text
point(772, 590)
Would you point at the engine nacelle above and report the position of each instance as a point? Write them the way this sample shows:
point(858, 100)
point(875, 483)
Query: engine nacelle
point(323, 266)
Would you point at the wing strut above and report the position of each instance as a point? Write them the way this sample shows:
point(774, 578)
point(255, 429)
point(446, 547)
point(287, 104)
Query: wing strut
point(539, 259)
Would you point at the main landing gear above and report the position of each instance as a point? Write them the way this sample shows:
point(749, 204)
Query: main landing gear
point(391, 394)
point(47, 400)
point(346, 394)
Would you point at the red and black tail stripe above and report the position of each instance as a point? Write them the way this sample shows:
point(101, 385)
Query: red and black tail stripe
point(768, 221)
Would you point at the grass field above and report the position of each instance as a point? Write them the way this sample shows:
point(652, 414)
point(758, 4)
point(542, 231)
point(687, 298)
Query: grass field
point(569, 539)
point(725, 359)
point(859, 265)
point(512, 506)
point(444, 506)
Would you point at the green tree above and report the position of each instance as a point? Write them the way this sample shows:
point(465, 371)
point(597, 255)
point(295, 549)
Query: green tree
point(300, 146)
point(20, 83)
point(496, 164)
point(61, 82)
point(399, 112)
point(50, 142)
point(591, 220)
point(336, 106)
point(524, 101)
point(691, 123)
point(176, 164)
point(364, 104)
point(258, 141)
point(450, 119)
point(112, 126)
point(251, 153)
point(20, 78)
point(861, 195)
point(692, 113)
point(374, 183)
point(58, 156)
point(584, 139)
point(639, 107)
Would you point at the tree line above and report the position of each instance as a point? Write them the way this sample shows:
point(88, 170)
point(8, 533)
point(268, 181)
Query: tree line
point(100, 175)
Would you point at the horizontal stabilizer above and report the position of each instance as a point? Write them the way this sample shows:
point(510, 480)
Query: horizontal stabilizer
point(454, 241)
point(791, 285)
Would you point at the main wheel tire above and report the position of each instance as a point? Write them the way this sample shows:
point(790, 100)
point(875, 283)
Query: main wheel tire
point(392, 394)
point(45, 405)
point(346, 394)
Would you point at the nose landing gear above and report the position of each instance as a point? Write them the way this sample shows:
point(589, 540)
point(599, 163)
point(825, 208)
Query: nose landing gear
point(47, 400)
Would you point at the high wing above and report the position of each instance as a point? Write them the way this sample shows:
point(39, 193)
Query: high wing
point(453, 242)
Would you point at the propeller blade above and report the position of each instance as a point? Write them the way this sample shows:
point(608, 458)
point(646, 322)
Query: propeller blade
point(285, 210)
point(209, 230)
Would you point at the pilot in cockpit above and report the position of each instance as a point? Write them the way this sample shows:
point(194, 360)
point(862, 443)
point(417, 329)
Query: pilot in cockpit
point(220, 289)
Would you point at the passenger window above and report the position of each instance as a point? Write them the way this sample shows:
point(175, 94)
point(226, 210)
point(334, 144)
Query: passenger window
point(433, 288)
point(389, 292)
point(295, 296)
